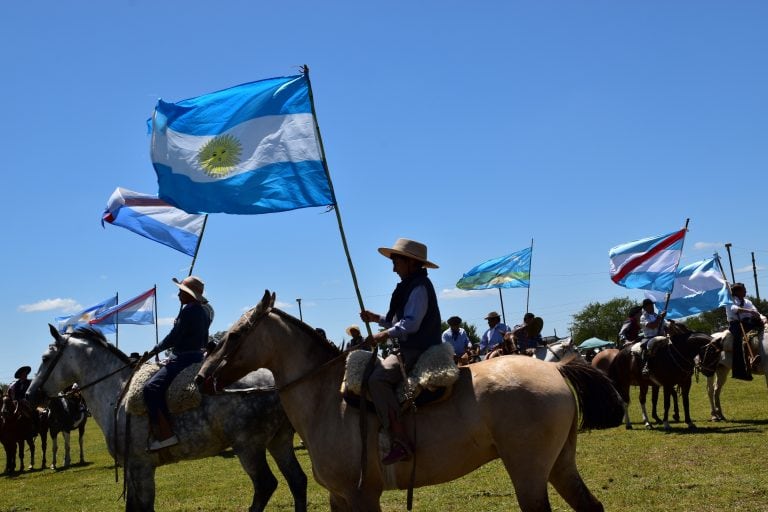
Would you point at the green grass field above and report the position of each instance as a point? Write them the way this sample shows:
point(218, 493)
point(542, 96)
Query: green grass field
point(717, 468)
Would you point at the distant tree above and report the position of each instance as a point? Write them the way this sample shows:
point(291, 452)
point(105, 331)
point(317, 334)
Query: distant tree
point(709, 322)
point(217, 337)
point(601, 320)
point(3, 388)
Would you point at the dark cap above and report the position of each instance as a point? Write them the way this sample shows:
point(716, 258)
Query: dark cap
point(648, 301)
point(454, 320)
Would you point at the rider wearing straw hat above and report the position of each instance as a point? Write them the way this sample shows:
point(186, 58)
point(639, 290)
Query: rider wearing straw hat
point(413, 320)
point(186, 340)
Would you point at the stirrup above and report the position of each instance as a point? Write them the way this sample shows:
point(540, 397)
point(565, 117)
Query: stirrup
point(399, 452)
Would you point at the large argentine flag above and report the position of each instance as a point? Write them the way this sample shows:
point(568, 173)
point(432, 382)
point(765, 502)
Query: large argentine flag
point(139, 310)
point(70, 323)
point(510, 271)
point(155, 219)
point(649, 264)
point(249, 149)
point(699, 287)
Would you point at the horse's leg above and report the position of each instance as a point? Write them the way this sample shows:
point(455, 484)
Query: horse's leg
point(567, 481)
point(10, 456)
point(713, 413)
point(67, 458)
point(43, 446)
point(643, 396)
point(685, 388)
point(31, 444)
point(667, 395)
point(721, 376)
point(654, 402)
point(140, 487)
point(20, 444)
point(80, 434)
point(676, 414)
point(253, 458)
point(281, 449)
point(54, 448)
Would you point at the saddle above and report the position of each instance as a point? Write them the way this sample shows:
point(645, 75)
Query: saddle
point(182, 394)
point(430, 380)
point(754, 361)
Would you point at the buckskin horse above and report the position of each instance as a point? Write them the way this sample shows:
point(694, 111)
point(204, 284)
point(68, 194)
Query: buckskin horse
point(491, 398)
point(249, 422)
point(671, 365)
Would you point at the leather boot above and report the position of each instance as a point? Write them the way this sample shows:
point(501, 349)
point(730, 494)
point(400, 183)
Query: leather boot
point(163, 434)
point(400, 449)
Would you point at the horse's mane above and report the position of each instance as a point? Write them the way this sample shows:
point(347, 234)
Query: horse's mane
point(93, 335)
point(252, 315)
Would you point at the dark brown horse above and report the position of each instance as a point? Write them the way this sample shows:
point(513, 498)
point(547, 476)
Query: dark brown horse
point(19, 426)
point(671, 365)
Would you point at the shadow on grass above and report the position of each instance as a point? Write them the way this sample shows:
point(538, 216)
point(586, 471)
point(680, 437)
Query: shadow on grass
point(76, 465)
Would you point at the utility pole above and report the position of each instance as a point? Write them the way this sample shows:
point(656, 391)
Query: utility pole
point(730, 261)
point(300, 317)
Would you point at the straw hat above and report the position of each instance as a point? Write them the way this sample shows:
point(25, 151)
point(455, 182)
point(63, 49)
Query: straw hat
point(351, 328)
point(410, 249)
point(194, 286)
point(492, 314)
point(24, 370)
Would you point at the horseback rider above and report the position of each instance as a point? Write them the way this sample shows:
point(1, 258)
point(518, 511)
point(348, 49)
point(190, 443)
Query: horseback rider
point(17, 393)
point(414, 320)
point(630, 329)
point(528, 334)
point(653, 325)
point(458, 338)
point(743, 317)
point(186, 340)
point(493, 337)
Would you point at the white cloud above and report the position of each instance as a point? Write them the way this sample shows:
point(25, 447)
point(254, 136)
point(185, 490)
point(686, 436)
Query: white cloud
point(700, 246)
point(65, 305)
point(167, 320)
point(455, 293)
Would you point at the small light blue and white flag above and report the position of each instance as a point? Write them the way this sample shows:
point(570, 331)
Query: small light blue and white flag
point(249, 149)
point(699, 287)
point(69, 323)
point(650, 263)
point(155, 219)
point(139, 310)
point(510, 271)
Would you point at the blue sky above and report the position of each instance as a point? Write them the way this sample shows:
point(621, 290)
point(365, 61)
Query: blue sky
point(472, 127)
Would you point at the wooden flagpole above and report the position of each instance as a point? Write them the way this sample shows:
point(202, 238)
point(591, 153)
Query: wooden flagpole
point(669, 293)
point(335, 205)
point(503, 316)
point(754, 273)
point(197, 248)
point(117, 325)
point(530, 266)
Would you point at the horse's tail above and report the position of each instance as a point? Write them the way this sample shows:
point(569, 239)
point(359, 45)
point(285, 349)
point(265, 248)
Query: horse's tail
point(599, 401)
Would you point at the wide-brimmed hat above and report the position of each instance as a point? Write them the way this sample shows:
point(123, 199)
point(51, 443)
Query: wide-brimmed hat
point(410, 249)
point(22, 370)
point(492, 314)
point(351, 328)
point(193, 285)
point(454, 320)
point(634, 310)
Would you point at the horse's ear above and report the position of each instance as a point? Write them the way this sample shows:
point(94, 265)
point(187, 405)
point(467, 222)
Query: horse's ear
point(55, 334)
point(264, 304)
point(272, 300)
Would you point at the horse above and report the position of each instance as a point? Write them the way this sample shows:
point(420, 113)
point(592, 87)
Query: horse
point(557, 351)
point(672, 365)
point(17, 428)
point(251, 422)
point(603, 361)
point(490, 399)
point(66, 413)
point(717, 378)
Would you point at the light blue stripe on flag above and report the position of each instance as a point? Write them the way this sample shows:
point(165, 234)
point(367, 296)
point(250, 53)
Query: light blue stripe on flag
point(155, 219)
point(649, 263)
point(511, 271)
point(69, 323)
point(250, 149)
point(139, 310)
point(698, 288)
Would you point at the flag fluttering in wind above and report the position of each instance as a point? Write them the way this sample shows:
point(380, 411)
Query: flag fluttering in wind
point(249, 149)
point(155, 219)
point(699, 287)
point(139, 310)
point(650, 264)
point(69, 323)
point(511, 271)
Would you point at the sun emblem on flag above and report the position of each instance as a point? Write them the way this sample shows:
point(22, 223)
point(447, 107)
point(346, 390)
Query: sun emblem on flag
point(220, 155)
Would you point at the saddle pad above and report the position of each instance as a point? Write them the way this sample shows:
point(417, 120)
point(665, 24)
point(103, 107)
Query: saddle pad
point(182, 395)
point(434, 369)
point(727, 340)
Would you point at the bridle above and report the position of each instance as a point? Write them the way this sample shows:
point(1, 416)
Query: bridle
point(712, 345)
point(60, 346)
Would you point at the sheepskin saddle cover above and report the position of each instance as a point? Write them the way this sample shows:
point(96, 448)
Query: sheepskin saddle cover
point(434, 369)
point(182, 395)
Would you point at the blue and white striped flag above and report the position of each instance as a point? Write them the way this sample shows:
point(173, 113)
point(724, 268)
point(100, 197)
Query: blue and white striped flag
point(69, 323)
point(155, 219)
point(139, 310)
point(249, 149)
point(699, 287)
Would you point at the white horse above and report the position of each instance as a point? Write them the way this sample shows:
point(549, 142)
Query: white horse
point(557, 351)
point(716, 381)
point(249, 422)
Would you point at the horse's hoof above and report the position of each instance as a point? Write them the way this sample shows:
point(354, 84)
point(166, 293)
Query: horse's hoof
point(649, 426)
point(715, 418)
point(676, 418)
point(692, 427)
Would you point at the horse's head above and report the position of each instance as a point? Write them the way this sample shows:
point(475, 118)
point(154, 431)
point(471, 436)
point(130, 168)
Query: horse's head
point(696, 344)
point(710, 354)
point(51, 377)
point(234, 357)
